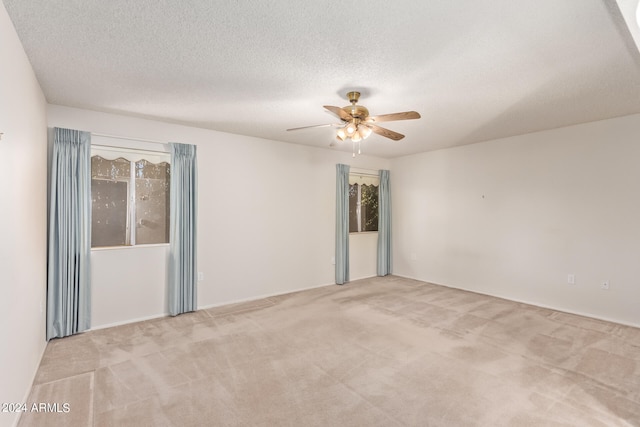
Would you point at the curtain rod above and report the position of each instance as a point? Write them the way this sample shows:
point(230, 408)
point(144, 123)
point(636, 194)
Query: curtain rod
point(129, 150)
point(127, 138)
point(364, 172)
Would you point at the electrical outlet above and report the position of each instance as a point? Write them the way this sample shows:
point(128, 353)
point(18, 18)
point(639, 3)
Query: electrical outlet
point(571, 279)
point(200, 276)
point(333, 260)
point(604, 285)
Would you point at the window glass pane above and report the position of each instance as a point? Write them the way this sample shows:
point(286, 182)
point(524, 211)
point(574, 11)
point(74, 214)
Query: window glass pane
point(152, 202)
point(109, 194)
point(369, 207)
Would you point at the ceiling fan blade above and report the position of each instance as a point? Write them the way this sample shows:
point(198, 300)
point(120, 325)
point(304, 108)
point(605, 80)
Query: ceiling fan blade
point(407, 115)
point(384, 132)
point(339, 112)
point(313, 126)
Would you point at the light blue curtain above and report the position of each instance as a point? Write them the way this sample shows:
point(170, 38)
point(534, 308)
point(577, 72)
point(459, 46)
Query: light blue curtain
point(384, 224)
point(182, 248)
point(342, 224)
point(69, 251)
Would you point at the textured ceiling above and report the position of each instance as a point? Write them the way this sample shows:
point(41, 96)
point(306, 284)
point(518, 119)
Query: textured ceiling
point(474, 70)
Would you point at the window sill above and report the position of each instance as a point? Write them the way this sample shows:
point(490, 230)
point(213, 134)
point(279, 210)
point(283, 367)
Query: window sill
point(111, 248)
point(355, 233)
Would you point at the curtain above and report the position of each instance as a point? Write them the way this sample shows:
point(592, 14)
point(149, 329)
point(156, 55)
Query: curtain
point(182, 229)
point(69, 246)
point(384, 224)
point(342, 224)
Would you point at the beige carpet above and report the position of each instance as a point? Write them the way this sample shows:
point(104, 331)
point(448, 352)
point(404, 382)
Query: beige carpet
point(377, 352)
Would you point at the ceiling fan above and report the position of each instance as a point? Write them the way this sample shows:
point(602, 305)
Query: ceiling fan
point(356, 123)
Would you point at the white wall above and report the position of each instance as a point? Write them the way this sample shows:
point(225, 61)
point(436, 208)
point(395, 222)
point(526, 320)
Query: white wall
point(514, 217)
point(128, 284)
point(23, 210)
point(363, 253)
point(266, 219)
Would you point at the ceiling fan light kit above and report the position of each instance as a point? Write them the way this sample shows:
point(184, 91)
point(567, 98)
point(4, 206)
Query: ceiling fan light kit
point(357, 125)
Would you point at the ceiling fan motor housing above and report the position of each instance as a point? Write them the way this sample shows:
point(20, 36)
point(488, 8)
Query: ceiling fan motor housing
point(356, 111)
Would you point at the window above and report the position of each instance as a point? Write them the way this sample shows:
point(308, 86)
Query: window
point(363, 203)
point(130, 197)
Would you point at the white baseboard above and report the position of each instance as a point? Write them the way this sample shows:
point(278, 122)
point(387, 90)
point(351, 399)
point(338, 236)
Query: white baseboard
point(362, 278)
point(204, 307)
point(126, 322)
point(262, 296)
point(33, 378)
point(535, 304)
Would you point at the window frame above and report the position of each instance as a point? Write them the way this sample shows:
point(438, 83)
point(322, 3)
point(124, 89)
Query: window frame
point(374, 180)
point(132, 155)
